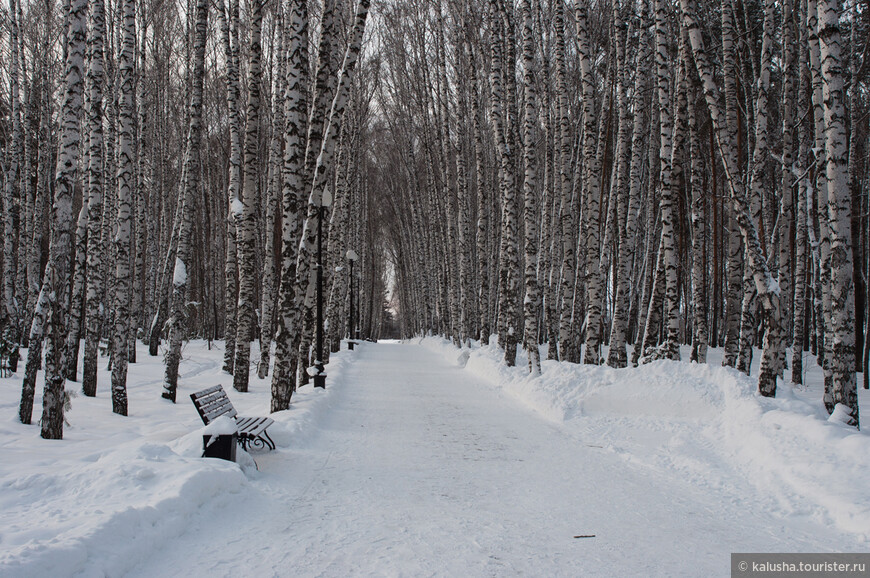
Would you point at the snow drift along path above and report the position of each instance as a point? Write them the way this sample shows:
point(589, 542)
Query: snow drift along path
point(418, 468)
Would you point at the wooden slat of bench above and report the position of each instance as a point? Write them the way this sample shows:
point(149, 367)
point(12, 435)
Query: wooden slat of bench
point(213, 398)
point(205, 392)
point(212, 403)
point(218, 411)
point(253, 426)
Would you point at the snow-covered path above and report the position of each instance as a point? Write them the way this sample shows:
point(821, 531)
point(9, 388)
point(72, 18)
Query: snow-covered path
point(419, 469)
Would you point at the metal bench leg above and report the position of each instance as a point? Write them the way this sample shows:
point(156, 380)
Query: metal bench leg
point(268, 441)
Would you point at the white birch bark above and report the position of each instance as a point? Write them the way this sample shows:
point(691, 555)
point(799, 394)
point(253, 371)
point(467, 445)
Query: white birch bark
point(819, 195)
point(842, 312)
point(11, 189)
point(757, 182)
point(785, 219)
point(296, 114)
point(124, 237)
point(230, 36)
point(483, 217)
point(698, 220)
point(190, 182)
point(668, 203)
point(508, 258)
point(244, 210)
point(567, 210)
point(57, 275)
point(628, 181)
point(591, 191)
point(735, 265)
point(531, 301)
point(801, 226)
point(78, 287)
point(271, 209)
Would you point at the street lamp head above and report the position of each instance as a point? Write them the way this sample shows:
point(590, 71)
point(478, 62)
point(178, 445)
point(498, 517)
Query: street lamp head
point(351, 255)
point(326, 198)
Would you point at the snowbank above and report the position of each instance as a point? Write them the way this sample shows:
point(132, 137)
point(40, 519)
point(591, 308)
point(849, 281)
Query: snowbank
point(116, 489)
point(701, 423)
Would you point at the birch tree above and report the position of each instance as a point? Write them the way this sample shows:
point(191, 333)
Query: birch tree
point(296, 109)
point(842, 363)
point(229, 32)
point(530, 209)
point(55, 284)
point(244, 210)
point(190, 182)
point(126, 162)
point(11, 191)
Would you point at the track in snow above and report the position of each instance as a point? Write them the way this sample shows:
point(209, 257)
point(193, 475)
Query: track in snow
point(419, 469)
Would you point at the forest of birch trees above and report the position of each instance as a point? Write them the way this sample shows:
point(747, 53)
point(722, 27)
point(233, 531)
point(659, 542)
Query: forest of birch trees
point(588, 182)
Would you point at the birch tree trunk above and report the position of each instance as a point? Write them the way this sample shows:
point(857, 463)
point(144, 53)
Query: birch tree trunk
point(566, 219)
point(785, 219)
point(483, 201)
point(801, 231)
point(508, 258)
point(530, 211)
point(190, 182)
point(735, 265)
point(274, 186)
point(244, 211)
point(78, 287)
point(591, 191)
point(296, 114)
point(757, 182)
point(670, 349)
point(842, 363)
point(628, 190)
point(230, 31)
point(698, 218)
point(818, 192)
point(11, 192)
point(124, 236)
point(57, 275)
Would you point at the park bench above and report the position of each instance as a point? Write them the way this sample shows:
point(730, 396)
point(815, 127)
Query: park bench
point(212, 403)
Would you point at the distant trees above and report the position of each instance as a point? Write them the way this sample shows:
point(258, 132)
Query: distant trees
point(702, 212)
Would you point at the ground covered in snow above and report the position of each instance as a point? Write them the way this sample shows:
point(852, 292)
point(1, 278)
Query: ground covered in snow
point(420, 459)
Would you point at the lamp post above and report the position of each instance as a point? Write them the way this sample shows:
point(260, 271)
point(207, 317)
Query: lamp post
point(351, 256)
point(320, 378)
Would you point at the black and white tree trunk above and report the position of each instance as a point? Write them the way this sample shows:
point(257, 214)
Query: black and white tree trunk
point(296, 116)
point(124, 237)
point(56, 282)
point(842, 363)
point(190, 182)
point(244, 210)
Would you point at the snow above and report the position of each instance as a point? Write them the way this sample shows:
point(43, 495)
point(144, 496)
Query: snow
point(237, 207)
point(423, 459)
point(224, 425)
point(706, 424)
point(179, 276)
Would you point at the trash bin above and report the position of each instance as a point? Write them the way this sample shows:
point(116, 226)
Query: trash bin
point(221, 446)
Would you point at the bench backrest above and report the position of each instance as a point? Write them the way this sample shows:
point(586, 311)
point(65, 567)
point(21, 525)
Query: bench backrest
point(212, 403)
